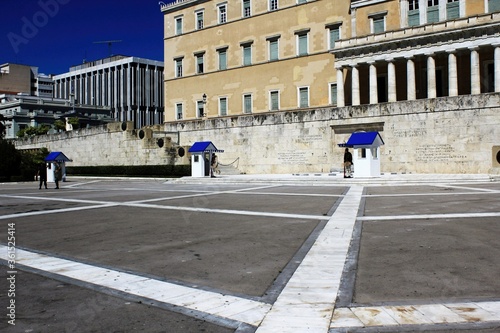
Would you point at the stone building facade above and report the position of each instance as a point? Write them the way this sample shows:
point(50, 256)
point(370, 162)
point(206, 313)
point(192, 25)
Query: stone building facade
point(278, 84)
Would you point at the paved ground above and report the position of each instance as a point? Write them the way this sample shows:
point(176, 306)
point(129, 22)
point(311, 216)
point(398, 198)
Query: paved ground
point(252, 254)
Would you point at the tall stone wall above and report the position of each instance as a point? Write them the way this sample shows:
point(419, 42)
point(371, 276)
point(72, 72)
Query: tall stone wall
point(442, 135)
point(113, 144)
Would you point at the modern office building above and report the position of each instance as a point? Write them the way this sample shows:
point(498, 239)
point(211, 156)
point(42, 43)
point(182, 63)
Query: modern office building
point(247, 56)
point(23, 79)
point(131, 87)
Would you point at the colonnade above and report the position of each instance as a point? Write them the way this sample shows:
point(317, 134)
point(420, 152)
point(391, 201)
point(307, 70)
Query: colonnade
point(389, 59)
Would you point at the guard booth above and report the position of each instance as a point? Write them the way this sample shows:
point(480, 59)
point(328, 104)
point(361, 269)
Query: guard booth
point(201, 158)
point(366, 152)
point(51, 159)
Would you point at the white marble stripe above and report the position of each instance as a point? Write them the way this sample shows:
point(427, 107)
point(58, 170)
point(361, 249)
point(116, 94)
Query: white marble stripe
point(230, 307)
point(230, 211)
point(306, 303)
point(420, 314)
point(428, 216)
point(102, 204)
point(54, 211)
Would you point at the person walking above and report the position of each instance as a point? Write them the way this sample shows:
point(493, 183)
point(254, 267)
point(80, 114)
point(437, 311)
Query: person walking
point(42, 175)
point(347, 164)
point(57, 174)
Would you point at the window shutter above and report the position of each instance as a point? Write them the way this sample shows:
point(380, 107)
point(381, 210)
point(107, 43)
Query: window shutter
point(248, 103)
point(304, 97)
point(222, 60)
point(334, 36)
point(273, 50)
point(223, 106)
point(303, 44)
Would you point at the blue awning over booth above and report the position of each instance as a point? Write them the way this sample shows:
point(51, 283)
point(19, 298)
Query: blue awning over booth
point(57, 156)
point(364, 140)
point(204, 146)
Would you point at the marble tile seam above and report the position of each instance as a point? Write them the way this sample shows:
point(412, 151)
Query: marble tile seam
point(227, 306)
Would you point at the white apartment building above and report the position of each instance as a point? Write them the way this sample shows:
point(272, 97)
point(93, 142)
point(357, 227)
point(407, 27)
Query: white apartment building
point(131, 87)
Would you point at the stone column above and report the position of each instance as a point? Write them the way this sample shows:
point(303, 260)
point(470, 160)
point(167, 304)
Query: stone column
point(475, 78)
point(411, 92)
point(355, 86)
point(431, 76)
point(496, 68)
point(373, 84)
point(452, 74)
point(391, 81)
point(340, 87)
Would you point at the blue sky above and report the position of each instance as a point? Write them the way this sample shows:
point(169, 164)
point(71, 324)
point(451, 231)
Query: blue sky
point(57, 34)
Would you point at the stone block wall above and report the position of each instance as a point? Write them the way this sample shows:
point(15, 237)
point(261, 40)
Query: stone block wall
point(442, 135)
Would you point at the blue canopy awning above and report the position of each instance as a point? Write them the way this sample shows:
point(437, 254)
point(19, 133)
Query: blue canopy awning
point(204, 146)
point(57, 156)
point(363, 140)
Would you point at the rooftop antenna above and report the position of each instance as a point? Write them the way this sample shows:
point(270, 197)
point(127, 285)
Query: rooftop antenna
point(110, 43)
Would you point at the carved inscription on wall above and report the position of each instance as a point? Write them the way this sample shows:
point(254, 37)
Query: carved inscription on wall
point(410, 133)
point(309, 138)
point(292, 157)
point(438, 153)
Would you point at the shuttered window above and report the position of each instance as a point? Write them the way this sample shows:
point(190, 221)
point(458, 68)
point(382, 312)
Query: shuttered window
point(304, 97)
point(223, 106)
point(274, 100)
point(432, 11)
point(302, 44)
point(222, 59)
point(333, 94)
point(334, 36)
point(247, 103)
point(247, 55)
point(273, 50)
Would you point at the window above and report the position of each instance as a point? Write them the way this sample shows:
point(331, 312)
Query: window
point(247, 103)
point(333, 93)
point(222, 9)
point(222, 59)
point(452, 9)
point(223, 106)
point(333, 35)
point(201, 109)
point(413, 13)
point(247, 11)
point(178, 108)
point(200, 61)
point(493, 6)
point(432, 11)
point(178, 25)
point(273, 4)
point(377, 22)
point(274, 100)
point(301, 1)
point(247, 53)
point(302, 43)
point(199, 20)
point(273, 48)
point(178, 67)
point(304, 97)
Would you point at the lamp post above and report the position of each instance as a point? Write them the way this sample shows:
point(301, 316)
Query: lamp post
point(204, 114)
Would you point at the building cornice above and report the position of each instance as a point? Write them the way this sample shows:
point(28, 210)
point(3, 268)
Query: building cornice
point(179, 4)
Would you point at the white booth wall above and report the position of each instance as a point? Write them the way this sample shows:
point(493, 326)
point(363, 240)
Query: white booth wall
point(366, 162)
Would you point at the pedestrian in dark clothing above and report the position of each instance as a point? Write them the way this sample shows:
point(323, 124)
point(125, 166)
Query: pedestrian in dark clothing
point(347, 164)
point(42, 175)
point(57, 174)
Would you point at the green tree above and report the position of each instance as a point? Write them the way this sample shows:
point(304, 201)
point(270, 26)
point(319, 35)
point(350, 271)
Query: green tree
point(10, 161)
point(59, 125)
point(75, 122)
